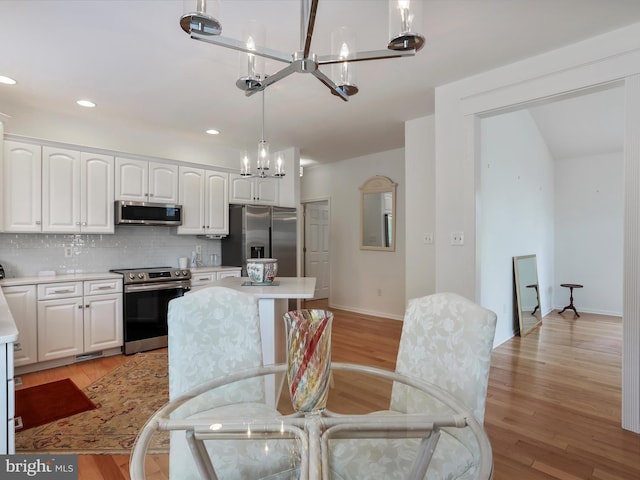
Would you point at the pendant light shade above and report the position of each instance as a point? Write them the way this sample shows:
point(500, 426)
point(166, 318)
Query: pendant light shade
point(343, 43)
point(404, 19)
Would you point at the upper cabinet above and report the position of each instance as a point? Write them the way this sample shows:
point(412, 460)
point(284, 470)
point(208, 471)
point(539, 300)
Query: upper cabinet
point(144, 181)
point(204, 200)
point(253, 190)
point(77, 192)
point(21, 187)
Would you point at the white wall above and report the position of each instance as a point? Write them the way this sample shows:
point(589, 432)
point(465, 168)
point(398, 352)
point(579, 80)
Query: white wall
point(589, 226)
point(515, 212)
point(420, 274)
point(357, 275)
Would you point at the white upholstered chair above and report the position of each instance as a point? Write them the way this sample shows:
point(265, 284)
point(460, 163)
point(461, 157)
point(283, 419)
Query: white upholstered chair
point(212, 333)
point(446, 341)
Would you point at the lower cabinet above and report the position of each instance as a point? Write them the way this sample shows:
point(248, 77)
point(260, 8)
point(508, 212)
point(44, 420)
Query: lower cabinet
point(60, 328)
point(203, 278)
point(23, 304)
point(66, 319)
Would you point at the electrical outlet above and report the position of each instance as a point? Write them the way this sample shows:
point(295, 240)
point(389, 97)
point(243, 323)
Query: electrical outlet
point(68, 252)
point(428, 238)
point(457, 238)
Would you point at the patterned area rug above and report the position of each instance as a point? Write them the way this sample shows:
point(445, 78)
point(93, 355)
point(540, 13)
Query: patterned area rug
point(126, 397)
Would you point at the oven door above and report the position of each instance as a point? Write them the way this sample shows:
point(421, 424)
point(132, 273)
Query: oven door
point(145, 314)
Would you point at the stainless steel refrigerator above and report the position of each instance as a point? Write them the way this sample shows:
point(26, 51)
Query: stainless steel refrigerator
point(257, 231)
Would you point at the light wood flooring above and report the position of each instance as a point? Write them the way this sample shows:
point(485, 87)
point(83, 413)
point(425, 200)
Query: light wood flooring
point(553, 404)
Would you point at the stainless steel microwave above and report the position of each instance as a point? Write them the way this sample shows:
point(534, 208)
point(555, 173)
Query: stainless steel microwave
point(145, 213)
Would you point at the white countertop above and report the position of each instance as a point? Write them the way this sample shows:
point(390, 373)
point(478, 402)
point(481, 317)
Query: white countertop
point(8, 329)
point(289, 287)
point(73, 277)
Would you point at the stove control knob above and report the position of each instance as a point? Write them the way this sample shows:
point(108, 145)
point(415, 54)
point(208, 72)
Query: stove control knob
point(177, 273)
point(132, 276)
point(185, 272)
point(141, 275)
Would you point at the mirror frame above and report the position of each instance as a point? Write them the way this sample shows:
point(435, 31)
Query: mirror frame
point(379, 184)
point(520, 283)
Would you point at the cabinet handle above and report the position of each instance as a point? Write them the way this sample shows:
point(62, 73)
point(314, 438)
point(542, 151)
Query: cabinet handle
point(203, 279)
point(84, 224)
point(78, 223)
point(38, 222)
point(87, 306)
point(80, 307)
point(63, 291)
point(104, 287)
point(17, 347)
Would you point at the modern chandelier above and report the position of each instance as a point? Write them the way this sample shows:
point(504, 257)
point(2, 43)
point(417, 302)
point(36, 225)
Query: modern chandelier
point(202, 26)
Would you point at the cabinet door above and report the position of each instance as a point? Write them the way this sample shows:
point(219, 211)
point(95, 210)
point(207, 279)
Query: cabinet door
point(266, 190)
point(60, 190)
point(21, 183)
point(102, 322)
point(97, 194)
point(60, 328)
point(23, 305)
point(132, 180)
point(192, 185)
point(163, 183)
point(216, 203)
point(240, 189)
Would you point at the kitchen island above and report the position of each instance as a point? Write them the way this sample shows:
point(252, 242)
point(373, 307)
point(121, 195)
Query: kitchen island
point(8, 336)
point(272, 304)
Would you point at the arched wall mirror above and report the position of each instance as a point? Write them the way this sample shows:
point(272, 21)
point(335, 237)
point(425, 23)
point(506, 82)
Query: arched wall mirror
point(378, 214)
point(525, 274)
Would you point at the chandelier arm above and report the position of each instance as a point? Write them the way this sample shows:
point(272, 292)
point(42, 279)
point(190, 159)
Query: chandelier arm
point(242, 47)
point(271, 79)
point(364, 56)
point(330, 83)
point(307, 23)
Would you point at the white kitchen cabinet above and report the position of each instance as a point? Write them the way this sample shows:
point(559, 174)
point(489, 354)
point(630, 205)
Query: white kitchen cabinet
point(102, 314)
point(79, 317)
point(253, 190)
point(7, 400)
point(21, 187)
point(228, 273)
point(145, 181)
point(77, 192)
point(204, 276)
point(204, 200)
point(22, 302)
point(60, 328)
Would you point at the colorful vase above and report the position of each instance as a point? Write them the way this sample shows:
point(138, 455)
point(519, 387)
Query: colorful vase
point(308, 358)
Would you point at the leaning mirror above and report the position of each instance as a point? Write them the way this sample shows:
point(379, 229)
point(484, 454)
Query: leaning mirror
point(378, 214)
point(525, 274)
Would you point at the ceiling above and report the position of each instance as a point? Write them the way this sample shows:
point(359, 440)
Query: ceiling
point(134, 61)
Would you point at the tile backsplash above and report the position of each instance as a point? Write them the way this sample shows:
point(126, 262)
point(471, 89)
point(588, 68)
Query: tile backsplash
point(24, 255)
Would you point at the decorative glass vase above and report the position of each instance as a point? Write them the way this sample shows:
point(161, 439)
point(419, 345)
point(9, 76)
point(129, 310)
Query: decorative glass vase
point(308, 358)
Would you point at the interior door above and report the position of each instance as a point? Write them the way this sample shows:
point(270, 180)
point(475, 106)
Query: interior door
point(316, 246)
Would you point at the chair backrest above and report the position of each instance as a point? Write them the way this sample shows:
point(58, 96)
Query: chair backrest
point(447, 341)
point(212, 332)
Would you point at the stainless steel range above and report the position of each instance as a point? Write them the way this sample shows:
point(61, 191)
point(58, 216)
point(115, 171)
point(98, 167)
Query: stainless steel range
point(147, 293)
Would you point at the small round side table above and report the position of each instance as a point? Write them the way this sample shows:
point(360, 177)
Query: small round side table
point(571, 286)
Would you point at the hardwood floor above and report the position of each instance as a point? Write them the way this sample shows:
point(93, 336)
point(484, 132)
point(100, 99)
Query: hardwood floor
point(553, 403)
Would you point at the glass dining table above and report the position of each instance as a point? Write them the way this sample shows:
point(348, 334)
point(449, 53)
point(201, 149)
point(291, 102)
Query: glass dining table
point(377, 424)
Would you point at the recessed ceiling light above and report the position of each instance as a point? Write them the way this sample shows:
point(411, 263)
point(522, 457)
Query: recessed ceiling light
point(213, 131)
point(7, 80)
point(86, 103)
